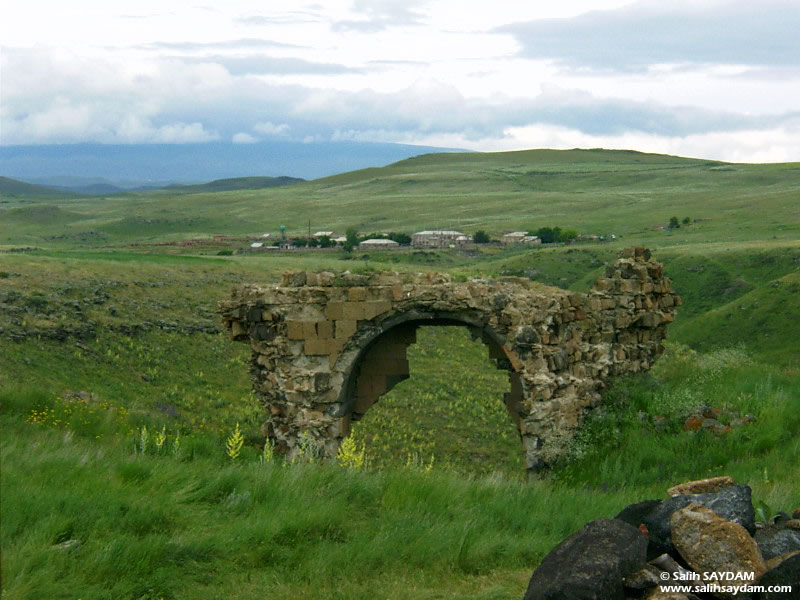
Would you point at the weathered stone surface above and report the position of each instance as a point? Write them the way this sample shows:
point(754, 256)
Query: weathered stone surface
point(643, 579)
point(709, 543)
point(639, 514)
point(732, 503)
point(776, 560)
point(560, 348)
point(659, 594)
point(775, 540)
point(702, 486)
point(785, 574)
point(590, 564)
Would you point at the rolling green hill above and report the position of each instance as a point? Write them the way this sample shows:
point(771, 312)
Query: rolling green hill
point(599, 192)
point(237, 183)
point(13, 188)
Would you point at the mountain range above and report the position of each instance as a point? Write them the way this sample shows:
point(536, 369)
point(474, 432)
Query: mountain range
point(92, 166)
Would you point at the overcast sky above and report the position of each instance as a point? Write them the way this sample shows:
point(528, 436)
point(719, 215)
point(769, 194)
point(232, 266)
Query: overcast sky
point(704, 78)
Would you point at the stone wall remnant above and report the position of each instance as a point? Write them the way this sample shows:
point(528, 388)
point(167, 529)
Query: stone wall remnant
point(326, 346)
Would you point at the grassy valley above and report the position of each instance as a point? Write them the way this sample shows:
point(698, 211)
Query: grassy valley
point(119, 395)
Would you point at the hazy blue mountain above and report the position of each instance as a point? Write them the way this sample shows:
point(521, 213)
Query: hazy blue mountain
point(238, 183)
point(195, 163)
point(14, 187)
point(74, 182)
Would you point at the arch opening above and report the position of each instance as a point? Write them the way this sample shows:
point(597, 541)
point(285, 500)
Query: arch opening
point(437, 389)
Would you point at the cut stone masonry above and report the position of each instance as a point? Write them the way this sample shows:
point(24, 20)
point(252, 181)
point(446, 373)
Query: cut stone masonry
point(326, 346)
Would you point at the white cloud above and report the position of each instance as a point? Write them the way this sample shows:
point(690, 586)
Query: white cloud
point(717, 76)
point(243, 138)
point(633, 37)
point(270, 129)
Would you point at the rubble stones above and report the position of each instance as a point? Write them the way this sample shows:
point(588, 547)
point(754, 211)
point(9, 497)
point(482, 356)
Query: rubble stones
point(787, 573)
point(560, 348)
point(590, 564)
point(701, 486)
point(732, 503)
point(710, 544)
point(775, 540)
point(715, 548)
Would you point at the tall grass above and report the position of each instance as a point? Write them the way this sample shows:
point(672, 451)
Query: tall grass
point(87, 515)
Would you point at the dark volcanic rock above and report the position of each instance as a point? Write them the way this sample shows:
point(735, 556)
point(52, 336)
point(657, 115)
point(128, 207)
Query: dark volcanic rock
point(775, 540)
point(636, 515)
point(787, 573)
point(732, 504)
point(590, 564)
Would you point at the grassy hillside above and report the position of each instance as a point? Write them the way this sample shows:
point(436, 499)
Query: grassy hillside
point(595, 192)
point(109, 339)
point(13, 188)
point(237, 183)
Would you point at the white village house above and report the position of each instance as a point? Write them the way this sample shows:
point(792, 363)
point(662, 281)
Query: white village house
point(520, 237)
point(439, 239)
point(378, 244)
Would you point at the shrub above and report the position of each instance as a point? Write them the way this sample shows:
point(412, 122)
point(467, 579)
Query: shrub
point(480, 237)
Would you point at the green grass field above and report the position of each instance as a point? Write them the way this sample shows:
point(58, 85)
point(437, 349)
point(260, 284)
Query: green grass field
point(108, 330)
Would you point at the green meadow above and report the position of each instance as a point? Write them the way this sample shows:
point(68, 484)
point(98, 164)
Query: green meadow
point(122, 476)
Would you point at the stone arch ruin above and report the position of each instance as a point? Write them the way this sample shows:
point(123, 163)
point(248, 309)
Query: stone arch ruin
point(326, 346)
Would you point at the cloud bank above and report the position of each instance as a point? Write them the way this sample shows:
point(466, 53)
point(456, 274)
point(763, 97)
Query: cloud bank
point(719, 80)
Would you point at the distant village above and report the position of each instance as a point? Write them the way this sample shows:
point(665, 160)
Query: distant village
point(430, 239)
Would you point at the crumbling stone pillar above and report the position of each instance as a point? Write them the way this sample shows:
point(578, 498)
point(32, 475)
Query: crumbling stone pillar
point(326, 346)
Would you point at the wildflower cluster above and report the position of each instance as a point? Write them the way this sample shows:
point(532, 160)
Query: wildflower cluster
point(160, 443)
point(351, 455)
point(233, 445)
point(85, 418)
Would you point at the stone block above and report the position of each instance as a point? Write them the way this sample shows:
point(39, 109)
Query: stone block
point(604, 285)
point(334, 345)
point(344, 329)
point(316, 347)
point(353, 311)
point(325, 278)
point(309, 330)
point(334, 310)
point(294, 330)
point(608, 303)
point(324, 330)
point(357, 294)
point(374, 308)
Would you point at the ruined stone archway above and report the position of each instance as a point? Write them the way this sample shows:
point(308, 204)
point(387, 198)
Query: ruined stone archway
point(326, 346)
